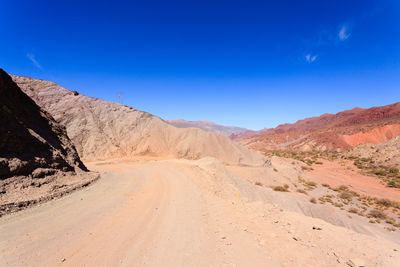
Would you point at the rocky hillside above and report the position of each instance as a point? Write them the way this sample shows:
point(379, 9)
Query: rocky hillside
point(31, 141)
point(104, 130)
point(38, 161)
point(345, 118)
point(208, 126)
point(331, 132)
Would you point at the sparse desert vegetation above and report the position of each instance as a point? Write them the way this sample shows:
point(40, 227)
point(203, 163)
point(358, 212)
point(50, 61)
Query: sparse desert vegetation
point(383, 171)
point(308, 185)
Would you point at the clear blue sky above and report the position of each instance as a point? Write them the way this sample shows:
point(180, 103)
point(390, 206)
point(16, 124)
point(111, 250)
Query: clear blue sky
point(247, 63)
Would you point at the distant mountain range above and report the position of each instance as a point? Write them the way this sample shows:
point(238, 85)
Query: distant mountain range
point(208, 126)
point(340, 131)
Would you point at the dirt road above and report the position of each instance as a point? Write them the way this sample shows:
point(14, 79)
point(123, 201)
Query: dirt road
point(169, 213)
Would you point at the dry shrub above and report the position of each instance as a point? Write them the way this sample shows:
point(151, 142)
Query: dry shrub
point(390, 229)
point(390, 220)
point(388, 203)
point(311, 183)
point(353, 210)
point(355, 194)
point(258, 183)
point(286, 186)
point(377, 214)
point(301, 191)
point(336, 204)
point(280, 189)
point(342, 188)
point(313, 200)
point(380, 172)
point(384, 202)
point(346, 195)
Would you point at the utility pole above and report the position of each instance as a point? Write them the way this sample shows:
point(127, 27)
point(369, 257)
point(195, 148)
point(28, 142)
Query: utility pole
point(120, 97)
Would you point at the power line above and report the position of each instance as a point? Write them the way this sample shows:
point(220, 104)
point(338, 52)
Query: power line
point(120, 97)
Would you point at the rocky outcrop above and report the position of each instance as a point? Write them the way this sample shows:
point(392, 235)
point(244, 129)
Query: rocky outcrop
point(31, 141)
point(38, 162)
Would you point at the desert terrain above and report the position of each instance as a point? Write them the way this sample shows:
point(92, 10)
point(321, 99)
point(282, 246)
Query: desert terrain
point(126, 188)
point(200, 133)
point(179, 213)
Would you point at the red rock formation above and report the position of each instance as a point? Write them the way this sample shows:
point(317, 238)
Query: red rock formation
point(343, 130)
point(374, 136)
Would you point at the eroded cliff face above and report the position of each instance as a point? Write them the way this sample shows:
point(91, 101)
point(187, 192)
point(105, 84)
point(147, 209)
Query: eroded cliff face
point(374, 136)
point(31, 141)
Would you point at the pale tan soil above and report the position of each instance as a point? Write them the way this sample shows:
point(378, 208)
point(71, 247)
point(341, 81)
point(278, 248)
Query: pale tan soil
point(343, 172)
point(178, 213)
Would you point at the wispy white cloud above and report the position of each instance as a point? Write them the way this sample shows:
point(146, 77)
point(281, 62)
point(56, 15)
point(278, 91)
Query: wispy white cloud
point(310, 58)
point(343, 33)
point(324, 39)
point(32, 58)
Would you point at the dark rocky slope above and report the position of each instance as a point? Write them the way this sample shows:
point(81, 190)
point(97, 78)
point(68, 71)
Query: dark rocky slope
point(38, 161)
point(30, 139)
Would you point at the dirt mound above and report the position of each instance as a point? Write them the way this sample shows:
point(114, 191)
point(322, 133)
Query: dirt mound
point(104, 130)
point(208, 126)
point(37, 159)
